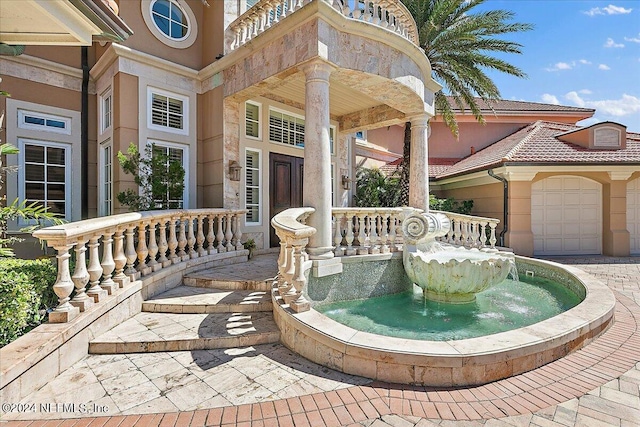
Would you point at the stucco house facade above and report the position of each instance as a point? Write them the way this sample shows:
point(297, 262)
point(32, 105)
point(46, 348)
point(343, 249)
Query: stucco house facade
point(257, 97)
point(226, 87)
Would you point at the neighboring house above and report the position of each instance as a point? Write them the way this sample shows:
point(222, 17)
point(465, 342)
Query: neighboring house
point(568, 190)
point(229, 89)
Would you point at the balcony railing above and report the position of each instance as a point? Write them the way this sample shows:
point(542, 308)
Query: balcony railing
point(388, 14)
point(132, 245)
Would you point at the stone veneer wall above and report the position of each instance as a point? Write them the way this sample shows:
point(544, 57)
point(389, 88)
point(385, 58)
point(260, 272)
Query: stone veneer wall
point(362, 277)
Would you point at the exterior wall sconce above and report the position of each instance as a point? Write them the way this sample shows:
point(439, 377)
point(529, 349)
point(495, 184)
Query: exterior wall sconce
point(346, 182)
point(234, 170)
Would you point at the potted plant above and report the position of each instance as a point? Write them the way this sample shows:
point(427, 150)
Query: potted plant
point(250, 245)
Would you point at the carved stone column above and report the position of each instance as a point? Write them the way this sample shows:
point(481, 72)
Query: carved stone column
point(419, 164)
point(317, 158)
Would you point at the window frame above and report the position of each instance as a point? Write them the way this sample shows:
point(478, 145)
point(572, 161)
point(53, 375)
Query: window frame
point(107, 95)
point(259, 186)
point(259, 121)
point(332, 128)
point(104, 180)
point(187, 41)
point(22, 182)
point(182, 11)
point(22, 124)
point(185, 111)
point(185, 164)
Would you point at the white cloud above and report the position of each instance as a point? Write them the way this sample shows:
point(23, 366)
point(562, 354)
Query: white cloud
point(559, 66)
point(550, 99)
point(584, 61)
point(609, 10)
point(633, 39)
point(604, 67)
point(611, 43)
point(585, 91)
point(627, 104)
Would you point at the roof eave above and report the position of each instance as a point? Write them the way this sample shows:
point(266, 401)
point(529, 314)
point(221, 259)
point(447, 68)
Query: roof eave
point(114, 29)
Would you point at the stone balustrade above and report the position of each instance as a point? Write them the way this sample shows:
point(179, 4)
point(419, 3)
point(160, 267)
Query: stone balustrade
point(470, 231)
point(363, 231)
point(132, 245)
point(388, 14)
point(294, 236)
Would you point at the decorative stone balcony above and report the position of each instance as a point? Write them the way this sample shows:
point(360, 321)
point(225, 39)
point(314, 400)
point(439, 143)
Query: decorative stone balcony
point(392, 15)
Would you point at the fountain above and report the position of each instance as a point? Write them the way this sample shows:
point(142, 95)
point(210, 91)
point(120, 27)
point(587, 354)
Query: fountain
point(444, 272)
point(433, 333)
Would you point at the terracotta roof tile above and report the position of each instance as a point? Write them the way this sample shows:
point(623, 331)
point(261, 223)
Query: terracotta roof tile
point(505, 105)
point(537, 143)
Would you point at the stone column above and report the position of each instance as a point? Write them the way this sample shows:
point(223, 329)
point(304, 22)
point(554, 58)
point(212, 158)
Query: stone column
point(419, 163)
point(317, 158)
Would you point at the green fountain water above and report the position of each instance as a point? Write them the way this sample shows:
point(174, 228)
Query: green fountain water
point(505, 306)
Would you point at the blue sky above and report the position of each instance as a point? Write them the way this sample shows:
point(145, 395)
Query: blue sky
point(583, 53)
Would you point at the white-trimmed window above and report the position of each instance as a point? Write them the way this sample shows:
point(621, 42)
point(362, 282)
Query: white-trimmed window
point(43, 122)
point(253, 186)
point(44, 174)
point(361, 135)
point(286, 128)
point(170, 19)
point(252, 120)
point(167, 111)
point(179, 153)
point(105, 183)
point(106, 110)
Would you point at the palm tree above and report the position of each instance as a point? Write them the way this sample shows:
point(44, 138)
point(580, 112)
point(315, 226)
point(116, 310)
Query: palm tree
point(460, 45)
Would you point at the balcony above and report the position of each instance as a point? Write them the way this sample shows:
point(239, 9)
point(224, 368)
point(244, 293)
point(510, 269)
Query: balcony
point(390, 15)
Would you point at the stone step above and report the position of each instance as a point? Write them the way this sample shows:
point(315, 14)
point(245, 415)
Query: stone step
point(156, 332)
point(189, 299)
point(203, 280)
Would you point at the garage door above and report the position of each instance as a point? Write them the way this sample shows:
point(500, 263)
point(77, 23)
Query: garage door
point(566, 216)
point(633, 215)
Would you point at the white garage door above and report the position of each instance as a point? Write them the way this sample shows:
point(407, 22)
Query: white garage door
point(566, 216)
point(633, 215)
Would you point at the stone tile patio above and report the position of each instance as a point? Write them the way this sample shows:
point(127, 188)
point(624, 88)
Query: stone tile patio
point(268, 385)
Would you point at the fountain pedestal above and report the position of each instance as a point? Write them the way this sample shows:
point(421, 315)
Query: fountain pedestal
point(446, 273)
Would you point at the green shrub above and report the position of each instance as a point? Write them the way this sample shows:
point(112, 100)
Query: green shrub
point(450, 205)
point(26, 292)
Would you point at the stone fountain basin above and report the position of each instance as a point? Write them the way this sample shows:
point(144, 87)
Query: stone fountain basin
point(455, 275)
point(466, 362)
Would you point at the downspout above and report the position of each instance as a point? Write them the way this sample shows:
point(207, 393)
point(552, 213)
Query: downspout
point(505, 201)
point(84, 135)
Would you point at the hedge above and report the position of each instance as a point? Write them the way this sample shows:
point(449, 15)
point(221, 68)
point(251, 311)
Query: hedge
point(26, 292)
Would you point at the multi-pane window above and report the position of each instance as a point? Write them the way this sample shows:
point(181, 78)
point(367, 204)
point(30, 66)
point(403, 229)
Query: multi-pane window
point(106, 180)
point(170, 19)
point(44, 175)
point(252, 120)
point(252, 186)
point(167, 112)
point(106, 113)
point(286, 129)
point(43, 122)
point(175, 198)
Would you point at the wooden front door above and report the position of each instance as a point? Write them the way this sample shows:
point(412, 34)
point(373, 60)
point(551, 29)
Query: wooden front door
point(285, 186)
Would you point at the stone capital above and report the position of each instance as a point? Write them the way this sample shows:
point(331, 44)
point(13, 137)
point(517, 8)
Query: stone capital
point(317, 69)
point(421, 120)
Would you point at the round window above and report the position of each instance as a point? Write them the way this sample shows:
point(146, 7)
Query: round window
point(170, 19)
point(172, 22)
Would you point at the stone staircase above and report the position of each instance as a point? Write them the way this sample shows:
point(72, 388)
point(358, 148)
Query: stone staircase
point(223, 307)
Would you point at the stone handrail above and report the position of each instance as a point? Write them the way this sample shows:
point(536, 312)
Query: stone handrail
point(362, 231)
point(470, 231)
point(388, 14)
point(132, 245)
point(294, 236)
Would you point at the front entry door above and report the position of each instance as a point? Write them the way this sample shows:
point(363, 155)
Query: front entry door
point(285, 186)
